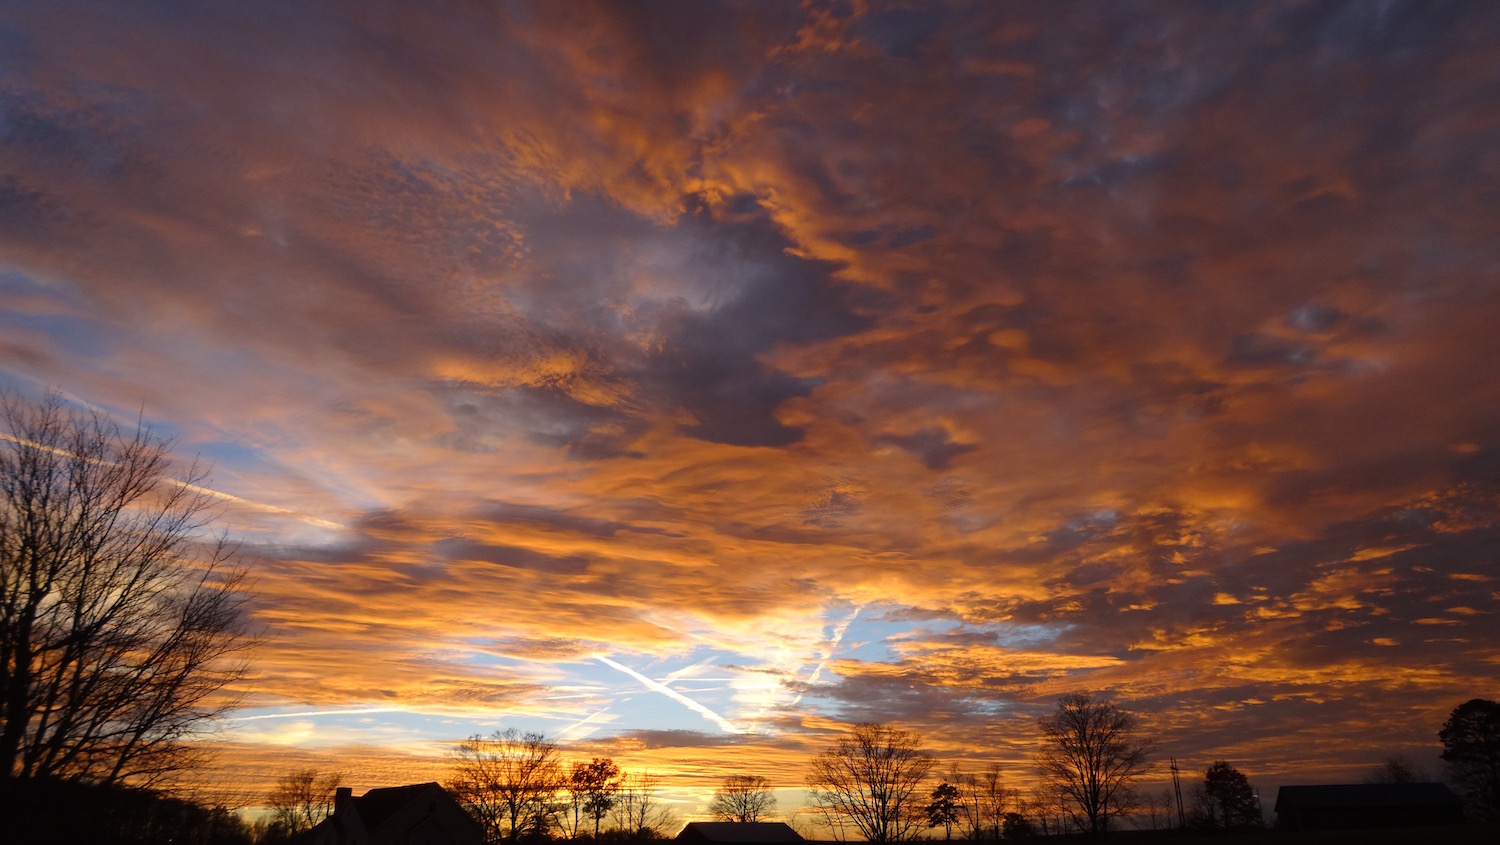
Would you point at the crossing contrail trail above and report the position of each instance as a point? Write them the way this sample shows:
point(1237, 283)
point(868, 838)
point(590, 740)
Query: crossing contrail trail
point(576, 730)
point(724, 724)
point(833, 646)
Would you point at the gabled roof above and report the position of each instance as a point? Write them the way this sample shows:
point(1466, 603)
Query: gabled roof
point(740, 833)
point(377, 805)
point(1353, 796)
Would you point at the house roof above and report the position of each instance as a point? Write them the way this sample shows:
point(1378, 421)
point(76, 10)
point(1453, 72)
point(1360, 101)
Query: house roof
point(740, 833)
point(1353, 796)
point(377, 805)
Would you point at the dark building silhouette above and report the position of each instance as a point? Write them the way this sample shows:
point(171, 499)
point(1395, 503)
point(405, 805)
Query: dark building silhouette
point(1355, 805)
point(738, 833)
point(419, 814)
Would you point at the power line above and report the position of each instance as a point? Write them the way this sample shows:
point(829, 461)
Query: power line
point(1177, 787)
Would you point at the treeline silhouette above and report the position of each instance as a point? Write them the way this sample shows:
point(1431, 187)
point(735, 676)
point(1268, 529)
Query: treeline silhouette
point(876, 784)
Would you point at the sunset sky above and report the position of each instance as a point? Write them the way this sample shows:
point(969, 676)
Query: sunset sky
point(690, 381)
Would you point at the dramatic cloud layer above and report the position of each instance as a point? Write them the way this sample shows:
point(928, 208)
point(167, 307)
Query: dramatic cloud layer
point(691, 381)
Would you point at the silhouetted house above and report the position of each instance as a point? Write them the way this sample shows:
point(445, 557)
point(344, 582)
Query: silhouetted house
point(419, 814)
point(1356, 805)
point(738, 833)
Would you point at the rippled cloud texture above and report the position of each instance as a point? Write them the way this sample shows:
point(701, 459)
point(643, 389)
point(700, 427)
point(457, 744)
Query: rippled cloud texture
point(688, 381)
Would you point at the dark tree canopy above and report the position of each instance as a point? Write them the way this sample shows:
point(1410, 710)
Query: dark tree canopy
point(120, 619)
point(944, 809)
point(592, 787)
point(1091, 753)
point(743, 798)
point(1226, 800)
point(872, 780)
point(1471, 750)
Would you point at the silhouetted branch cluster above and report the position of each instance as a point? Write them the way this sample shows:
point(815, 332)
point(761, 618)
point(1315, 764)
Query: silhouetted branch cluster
point(118, 627)
point(872, 779)
point(516, 786)
point(743, 798)
point(1090, 755)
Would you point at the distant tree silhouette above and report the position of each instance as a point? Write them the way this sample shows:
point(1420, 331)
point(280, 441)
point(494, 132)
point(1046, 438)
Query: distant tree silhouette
point(119, 626)
point(1015, 826)
point(47, 811)
point(591, 789)
point(743, 798)
point(638, 812)
point(981, 802)
point(1158, 805)
point(1395, 769)
point(1090, 755)
point(1225, 800)
point(943, 809)
point(1471, 750)
point(508, 782)
point(300, 800)
point(872, 778)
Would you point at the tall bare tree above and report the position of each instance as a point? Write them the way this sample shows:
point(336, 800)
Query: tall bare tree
point(873, 777)
point(1091, 754)
point(743, 798)
point(301, 799)
point(982, 802)
point(120, 619)
point(1157, 809)
point(508, 782)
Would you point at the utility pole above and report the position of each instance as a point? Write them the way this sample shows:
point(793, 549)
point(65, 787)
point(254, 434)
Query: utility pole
point(1177, 787)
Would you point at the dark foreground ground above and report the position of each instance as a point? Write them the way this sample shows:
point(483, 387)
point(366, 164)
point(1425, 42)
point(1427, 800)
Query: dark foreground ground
point(1465, 834)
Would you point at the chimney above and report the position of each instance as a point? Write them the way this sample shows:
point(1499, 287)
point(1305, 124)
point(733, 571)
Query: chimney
point(341, 799)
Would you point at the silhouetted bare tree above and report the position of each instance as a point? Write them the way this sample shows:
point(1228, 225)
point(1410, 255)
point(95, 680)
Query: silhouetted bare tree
point(872, 777)
point(638, 811)
point(119, 620)
point(300, 800)
point(1090, 756)
point(982, 802)
point(508, 782)
point(743, 798)
point(1157, 805)
point(1471, 750)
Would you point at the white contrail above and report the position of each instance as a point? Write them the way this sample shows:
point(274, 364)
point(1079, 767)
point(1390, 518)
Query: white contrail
point(217, 494)
point(262, 506)
point(724, 724)
point(305, 714)
point(572, 732)
point(833, 646)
